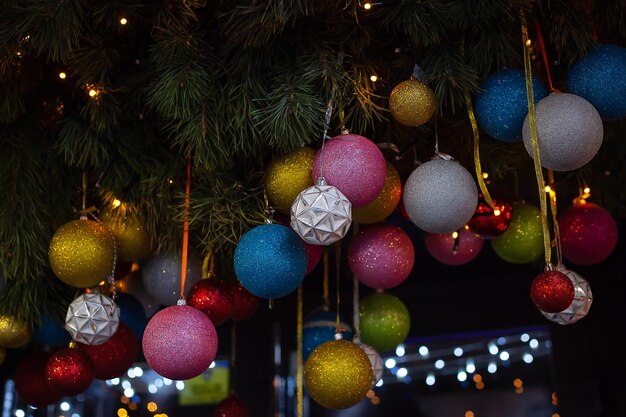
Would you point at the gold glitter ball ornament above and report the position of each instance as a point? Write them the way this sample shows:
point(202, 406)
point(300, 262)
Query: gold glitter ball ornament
point(386, 202)
point(287, 176)
point(412, 103)
point(13, 334)
point(132, 238)
point(81, 253)
point(338, 374)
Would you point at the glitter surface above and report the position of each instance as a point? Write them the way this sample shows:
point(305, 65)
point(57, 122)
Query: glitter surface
point(338, 374)
point(319, 327)
point(13, 334)
point(569, 131)
point(232, 406)
point(354, 165)
point(270, 261)
point(287, 176)
point(81, 253)
point(522, 242)
point(131, 236)
point(440, 196)
point(375, 360)
point(113, 358)
point(485, 223)
point(69, 371)
point(161, 276)
point(502, 106)
point(443, 247)
point(385, 321)
point(92, 318)
point(588, 234)
point(381, 256)
point(313, 256)
point(600, 78)
point(386, 202)
point(579, 308)
point(412, 103)
point(552, 291)
point(31, 383)
point(214, 298)
point(180, 342)
point(245, 303)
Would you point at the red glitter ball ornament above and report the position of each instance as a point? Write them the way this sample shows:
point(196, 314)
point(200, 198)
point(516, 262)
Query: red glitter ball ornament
point(214, 298)
point(552, 291)
point(232, 406)
point(488, 222)
point(69, 371)
point(245, 303)
point(31, 383)
point(112, 358)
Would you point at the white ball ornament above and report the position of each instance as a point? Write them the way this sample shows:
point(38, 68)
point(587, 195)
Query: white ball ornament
point(375, 359)
point(581, 305)
point(92, 318)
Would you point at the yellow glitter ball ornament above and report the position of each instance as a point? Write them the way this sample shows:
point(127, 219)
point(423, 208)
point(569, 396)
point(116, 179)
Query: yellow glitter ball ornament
point(132, 238)
point(338, 374)
point(287, 176)
point(412, 103)
point(81, 253)
point(386, 202)
point(13, 334)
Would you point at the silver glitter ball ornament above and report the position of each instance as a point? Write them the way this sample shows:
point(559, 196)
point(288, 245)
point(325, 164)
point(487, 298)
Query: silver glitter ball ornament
point(321, 215)
point(375, 359)
point(580, 306)
point(569, 132)
point(92, 318)
point(440, 196)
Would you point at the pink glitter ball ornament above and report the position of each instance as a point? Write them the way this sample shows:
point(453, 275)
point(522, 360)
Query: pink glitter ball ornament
point(450, 251)
point(354, 165)
point(381, 256)
point(180, 342)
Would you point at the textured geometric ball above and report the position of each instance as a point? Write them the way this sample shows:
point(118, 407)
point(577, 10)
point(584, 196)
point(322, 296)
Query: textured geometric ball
point(131, 236)
point(92, 318)
point(287, 176)
point(51, 332)
point(386, 202)
point(385, 321)
point(501, 107)
point(522, 242)
point(270, 261)
point(338, 374)
point(132, 313)
point(569, 132)
point(412, 103)
point(161, 276)
point(180, 342)
point(133, 285)
point(552, 291)
point(69, 371)
point(488, 222)
point(353, 164)
point(588, 234)
point(600, 78)
point(579, 308)
point(375, 360)
point(440, 196)
point(31, 383)
point(381, 256)
point(232, 406)
point(321, 215)
point(81, 253)
point(13, 334)
point(450, 251)
point(113, 358)
point(319, 327)
point(214, 298)
point(245, 304)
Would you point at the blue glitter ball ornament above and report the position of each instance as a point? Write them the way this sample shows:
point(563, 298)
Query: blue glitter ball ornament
point(319, 327)
point(270, 261)
point(502, 106)
point(51, 332)
point(600, 78)
point(132, 313)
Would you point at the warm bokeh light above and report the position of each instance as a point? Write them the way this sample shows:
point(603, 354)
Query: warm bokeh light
point(122, 412)
point(374, 78)
point(123, 21)
point(367, 6)
point(116, 203)
point(518, 383)
point(587, 190)
point(152, 407)
point(497, 212)
point(548, 189)
point(92, 93)
point(124, 399)
point(455, 235)
point(485, 175)
point(469, 413)
point(477, 378)
point(132, 406)
point(62, 75)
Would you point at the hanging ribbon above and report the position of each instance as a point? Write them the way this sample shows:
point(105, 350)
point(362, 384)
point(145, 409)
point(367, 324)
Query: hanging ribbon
point(555, 223)
point(477, 164)
point(325, 284)
point(183, 267)
point(544, 55)
point(299, 382)
point(337, 271)
point(592, 22)
point(535, 142)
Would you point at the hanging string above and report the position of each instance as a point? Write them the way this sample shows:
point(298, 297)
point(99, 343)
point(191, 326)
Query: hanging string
point(233, 358)
point(589, 8)
point(183, 267)
point(356, 319)
point(84, 206)
point(535, 143)
point(477, 164)
point(544, 55)
point(325, 287)
point(436, 137)
point(555, 223)
point(327, 119)
point(337, 273)
point(299, 370)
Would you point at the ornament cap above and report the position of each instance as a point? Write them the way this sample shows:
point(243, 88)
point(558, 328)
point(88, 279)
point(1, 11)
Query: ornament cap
point(181, 302)
point(321, 181)
point(444, 156)
point(338, 336)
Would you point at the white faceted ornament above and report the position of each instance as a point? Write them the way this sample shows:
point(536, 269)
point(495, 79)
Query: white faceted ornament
point(375, 359)
point(321, 214)
point(581, 304)
point(92, 318)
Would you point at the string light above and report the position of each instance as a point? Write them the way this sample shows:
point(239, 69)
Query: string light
point(93, 93)
point(497, 212)
point(455, 235)
point(123, 21)
point(485, 175)
point(62, 75)
point(587, 190)
point(116, 203)
point(548, 189)
point(367, 6)
point(374, 78)
point(528, 42)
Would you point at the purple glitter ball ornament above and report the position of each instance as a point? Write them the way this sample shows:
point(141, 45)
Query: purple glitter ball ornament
point(180, 342)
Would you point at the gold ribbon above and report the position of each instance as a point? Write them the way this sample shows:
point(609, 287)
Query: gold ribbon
point(338, 270)
point(532, 120)
point(208, 266)
point(299, 382)
point(325, 287)
point(477, 165)
point(555, 223)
